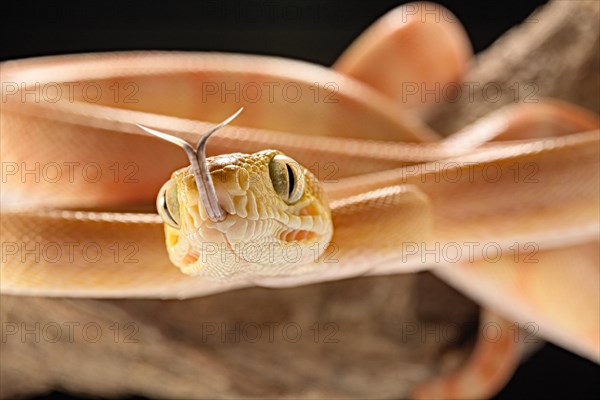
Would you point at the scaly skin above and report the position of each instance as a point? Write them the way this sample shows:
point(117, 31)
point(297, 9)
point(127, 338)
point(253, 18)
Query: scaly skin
point(261, 234)
point(388, 189)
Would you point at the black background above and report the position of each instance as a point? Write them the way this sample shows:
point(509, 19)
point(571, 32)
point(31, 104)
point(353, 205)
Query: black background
point(316, 31)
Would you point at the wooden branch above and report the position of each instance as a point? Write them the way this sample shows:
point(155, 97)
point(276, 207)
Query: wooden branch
point(354, 338)
point(554, 53)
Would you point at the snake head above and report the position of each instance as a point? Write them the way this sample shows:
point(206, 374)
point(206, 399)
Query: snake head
point(277, 217)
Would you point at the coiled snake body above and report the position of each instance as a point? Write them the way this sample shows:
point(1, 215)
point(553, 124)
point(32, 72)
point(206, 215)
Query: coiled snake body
point(390, 187)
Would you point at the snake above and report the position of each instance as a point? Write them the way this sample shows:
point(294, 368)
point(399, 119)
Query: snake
point(328, 174)
point(248, 208)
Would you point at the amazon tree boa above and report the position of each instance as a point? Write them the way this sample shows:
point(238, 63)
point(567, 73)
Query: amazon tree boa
point(333, 162)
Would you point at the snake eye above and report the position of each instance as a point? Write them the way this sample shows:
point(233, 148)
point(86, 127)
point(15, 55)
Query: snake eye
point(287, 178)
point(167, 204)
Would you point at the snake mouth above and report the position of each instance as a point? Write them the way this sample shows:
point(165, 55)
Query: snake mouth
point(296, 235)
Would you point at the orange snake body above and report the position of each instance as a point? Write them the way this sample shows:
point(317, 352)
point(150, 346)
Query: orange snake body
point(78, 175)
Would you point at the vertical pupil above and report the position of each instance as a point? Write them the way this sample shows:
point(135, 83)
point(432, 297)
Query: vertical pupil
point(166, 207)
point(292, 178)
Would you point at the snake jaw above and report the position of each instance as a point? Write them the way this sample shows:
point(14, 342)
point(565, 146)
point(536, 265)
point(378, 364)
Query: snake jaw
point(260, 229)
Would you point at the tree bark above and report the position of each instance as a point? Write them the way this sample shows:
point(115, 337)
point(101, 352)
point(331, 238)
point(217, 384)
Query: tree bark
point(352, 339)
point(554, 53)
point(357, 338)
